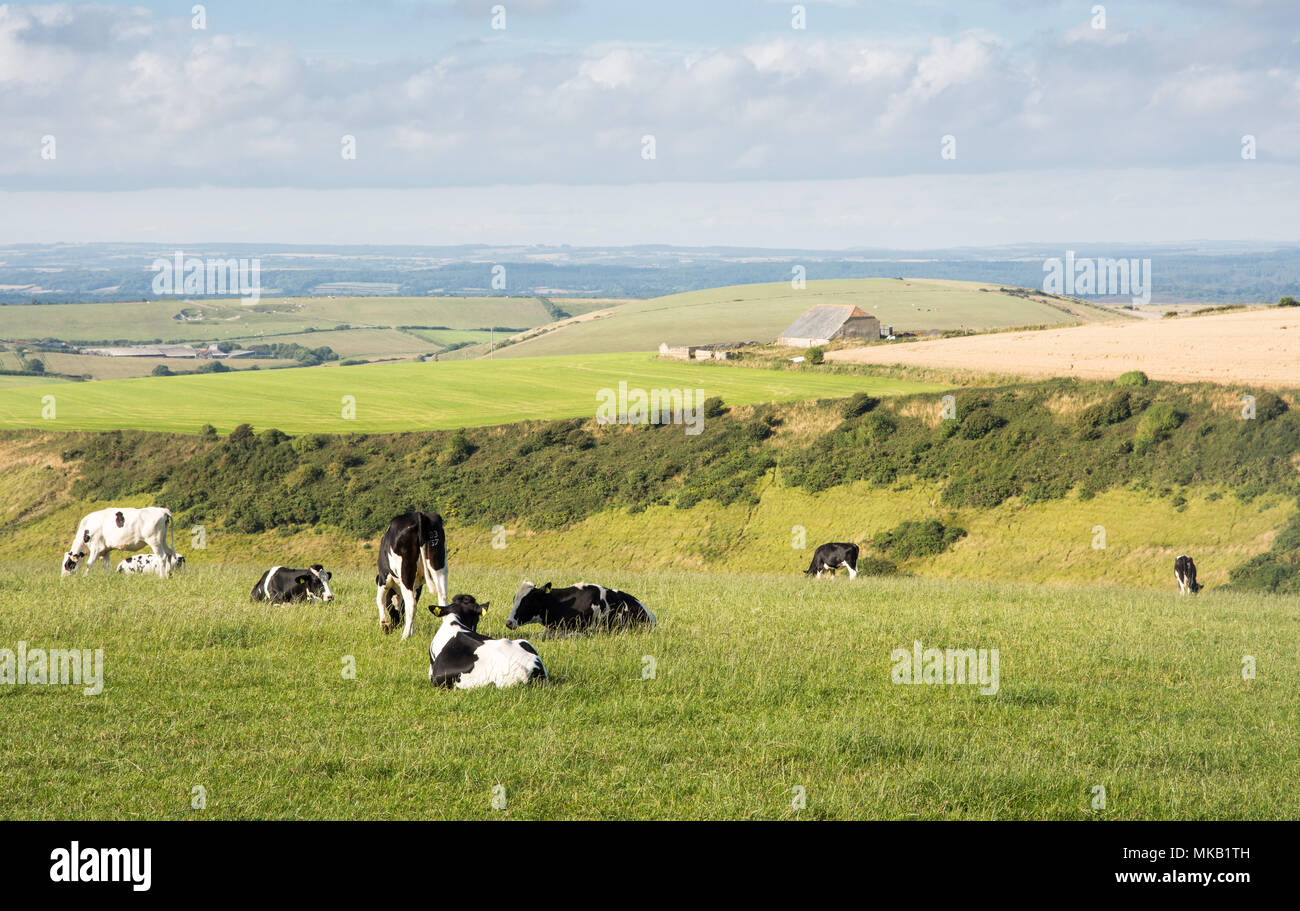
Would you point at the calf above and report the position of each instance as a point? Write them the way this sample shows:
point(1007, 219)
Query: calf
point(1185, 573)
point(280, 585)
point(151, 563)
point(126, 528)
point(578, 607)
point(460, 657)
point(830, 557)
point(413, 552)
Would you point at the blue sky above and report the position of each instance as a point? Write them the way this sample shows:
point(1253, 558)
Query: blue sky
point(910, 124)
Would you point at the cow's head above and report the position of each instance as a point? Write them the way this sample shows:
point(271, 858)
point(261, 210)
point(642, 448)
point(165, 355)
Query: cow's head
point(463, 608)
point(71, 558)
point(317, 581)
point(531, 605)
point(177, 562)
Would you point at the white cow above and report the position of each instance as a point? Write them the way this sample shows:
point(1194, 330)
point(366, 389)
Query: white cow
point(100, 533)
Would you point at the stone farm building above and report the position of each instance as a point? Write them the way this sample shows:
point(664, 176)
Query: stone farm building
point(822, 324)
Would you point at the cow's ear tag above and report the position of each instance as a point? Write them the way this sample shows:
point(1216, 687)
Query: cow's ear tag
point(302, 580)
point(484, 606)
point(546, 587)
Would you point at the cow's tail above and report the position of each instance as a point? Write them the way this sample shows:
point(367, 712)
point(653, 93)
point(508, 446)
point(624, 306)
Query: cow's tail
point(171, 532)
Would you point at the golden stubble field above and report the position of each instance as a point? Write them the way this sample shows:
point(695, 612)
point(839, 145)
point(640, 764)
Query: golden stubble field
point(1254, 347)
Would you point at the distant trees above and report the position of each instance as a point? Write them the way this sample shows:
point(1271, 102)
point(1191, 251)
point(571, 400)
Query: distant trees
point(1288, 301)
point(815, 355)
point(162, 370)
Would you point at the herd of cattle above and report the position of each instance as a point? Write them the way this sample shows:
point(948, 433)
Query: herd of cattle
point(413, 553)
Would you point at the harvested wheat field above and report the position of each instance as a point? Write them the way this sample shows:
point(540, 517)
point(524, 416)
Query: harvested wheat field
point(1257, 347)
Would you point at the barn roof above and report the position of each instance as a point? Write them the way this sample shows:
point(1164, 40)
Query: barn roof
point(822, 321)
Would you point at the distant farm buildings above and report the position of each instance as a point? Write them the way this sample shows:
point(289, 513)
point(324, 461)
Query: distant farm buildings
point(701, 352)
point(164, 351)
point(822, 324)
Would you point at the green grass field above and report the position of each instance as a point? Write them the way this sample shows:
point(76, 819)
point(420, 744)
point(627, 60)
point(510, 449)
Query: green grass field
point(760, 313)
point(752, 686)
point(407, 396)
point(229, 319)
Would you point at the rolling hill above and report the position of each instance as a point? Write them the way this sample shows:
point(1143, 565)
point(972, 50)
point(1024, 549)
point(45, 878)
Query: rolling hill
point(760, 312)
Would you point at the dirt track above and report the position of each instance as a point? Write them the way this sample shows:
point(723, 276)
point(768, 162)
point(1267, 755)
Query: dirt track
point(1257, 347)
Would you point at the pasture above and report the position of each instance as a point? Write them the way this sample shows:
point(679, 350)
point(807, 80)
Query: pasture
point(222, 320)
point(750, 687)
point(760, 313)
point(403, 396)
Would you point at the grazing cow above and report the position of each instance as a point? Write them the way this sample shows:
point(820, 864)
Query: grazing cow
point(577, 607)
point(412, 553)
point(280, 585)
point(100, 533)
point(1185, 573)
point(151, 563)
point(830, 557)
point(460, 657)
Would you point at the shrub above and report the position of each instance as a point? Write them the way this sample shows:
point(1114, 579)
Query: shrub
point(457, 450)
point(1288, 301)
point(876, 566)
point(162, 370)
point(815, 355)
point(1159, 421)
point(1269, 406)
point(714, 407)
point(859, 405)
point(1132, 378)
point(979, 423)
point(1117, 408)
point(918, 539)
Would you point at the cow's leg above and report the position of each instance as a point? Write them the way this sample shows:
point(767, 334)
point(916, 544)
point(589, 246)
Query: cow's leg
point(94, 556)
point(408, 598)
point(381, 599)
point(853, 573)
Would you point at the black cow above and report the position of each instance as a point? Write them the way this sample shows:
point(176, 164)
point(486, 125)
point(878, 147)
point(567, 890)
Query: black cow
point(280, 585)
point(830, 557)
point(461, 657)
point(578, 607)
point(412, 553)
point(1185, 573)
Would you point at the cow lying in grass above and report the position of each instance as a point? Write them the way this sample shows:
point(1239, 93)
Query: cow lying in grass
point(151, 563)
point(280, 585)
point(461, 658)
point(580, 606)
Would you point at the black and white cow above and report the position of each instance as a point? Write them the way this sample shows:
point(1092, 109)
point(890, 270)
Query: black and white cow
point(461, 657)
point(830, 557)
point(578, 607)
point(102, 532)
point(151, 563)
point(1185, 573)
point(412, 553)
point(280, 585)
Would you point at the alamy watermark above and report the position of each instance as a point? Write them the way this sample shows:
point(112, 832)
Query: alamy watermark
point(1084, 277)
point(949, 666)
point(194, 276)
point(655, 406)
point(53, 667)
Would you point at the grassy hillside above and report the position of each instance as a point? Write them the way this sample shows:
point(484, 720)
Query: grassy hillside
point(391, 397)
point(1019, 486)
point(761, 312)
point(750, 687)
point(211, 320)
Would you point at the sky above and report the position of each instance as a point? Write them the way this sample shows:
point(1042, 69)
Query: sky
point(741, 122)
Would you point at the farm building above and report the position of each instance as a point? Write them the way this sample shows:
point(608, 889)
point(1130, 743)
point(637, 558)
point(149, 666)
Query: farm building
point(165, 351)
point(824, 323)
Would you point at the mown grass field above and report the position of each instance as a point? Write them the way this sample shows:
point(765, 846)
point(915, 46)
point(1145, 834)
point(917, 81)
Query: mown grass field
point(760, 684)
point(761, 312)
point(407, 396)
